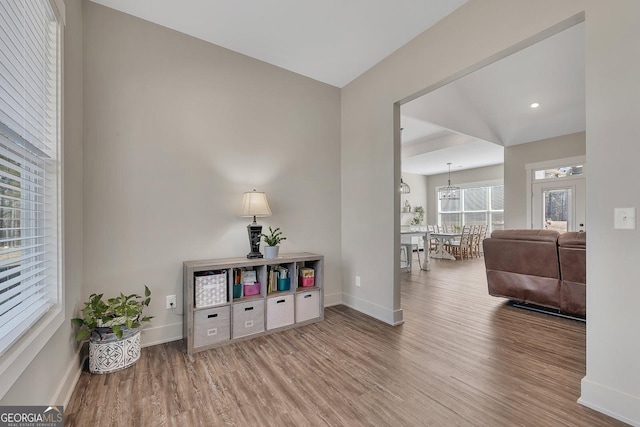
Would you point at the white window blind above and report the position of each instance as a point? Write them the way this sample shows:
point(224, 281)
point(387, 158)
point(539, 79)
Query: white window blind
point(29, 165)
point(477, 205)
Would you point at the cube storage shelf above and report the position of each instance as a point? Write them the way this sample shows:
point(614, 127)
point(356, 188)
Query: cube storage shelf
point(236, 316)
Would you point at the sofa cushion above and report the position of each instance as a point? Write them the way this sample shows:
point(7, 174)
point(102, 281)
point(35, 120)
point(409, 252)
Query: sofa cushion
point(523, 265)
point(573, 239)
point(530, 235)
point(573, 271)
point(531, 252)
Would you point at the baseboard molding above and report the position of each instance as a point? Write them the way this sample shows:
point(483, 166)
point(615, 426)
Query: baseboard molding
point(332, 299)
point(611, 402)
point(160, 334)
point(376, 311)
point(70, 379)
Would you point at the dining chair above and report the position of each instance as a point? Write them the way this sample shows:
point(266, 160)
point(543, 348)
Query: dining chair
point(433, 242)
point(482, 234)
point(461, 248)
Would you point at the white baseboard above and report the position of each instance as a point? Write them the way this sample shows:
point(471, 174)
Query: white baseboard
point(332, 299)
point(611, 402)
point(376, 311)
point(160, 334)
point(69, 380)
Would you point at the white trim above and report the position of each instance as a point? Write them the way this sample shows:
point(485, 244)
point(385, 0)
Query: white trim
point(390, 317)
point(616, 404)
point(567, 161)
point(70, 379)
point(21, 353)
point(530, 167)
point(59, 9)
point(332, 299)
point(489, 183)
point(161, 334)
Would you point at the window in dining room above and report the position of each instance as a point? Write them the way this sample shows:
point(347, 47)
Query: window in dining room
point(476, 206)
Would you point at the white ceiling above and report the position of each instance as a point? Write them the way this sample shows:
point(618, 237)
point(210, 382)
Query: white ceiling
point(491, 107)
point(333, 41)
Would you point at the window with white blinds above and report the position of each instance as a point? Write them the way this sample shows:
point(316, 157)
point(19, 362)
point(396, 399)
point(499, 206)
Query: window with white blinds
point(29, 165)
point(476, 206)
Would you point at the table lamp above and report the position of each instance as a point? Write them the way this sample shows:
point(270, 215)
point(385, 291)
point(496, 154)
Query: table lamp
point(254, 204)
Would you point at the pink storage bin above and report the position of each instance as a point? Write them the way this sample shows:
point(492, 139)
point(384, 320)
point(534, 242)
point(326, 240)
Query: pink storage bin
point(251, 289)
point(307, 281)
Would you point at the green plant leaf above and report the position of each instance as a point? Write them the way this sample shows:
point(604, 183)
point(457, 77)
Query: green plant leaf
point(117, 329)
point(147, 291)
point(77, 322)
point(82, 334)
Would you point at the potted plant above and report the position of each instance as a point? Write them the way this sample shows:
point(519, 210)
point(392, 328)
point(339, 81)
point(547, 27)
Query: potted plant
point(113, 328)
point(272, 240)
point(417, 220)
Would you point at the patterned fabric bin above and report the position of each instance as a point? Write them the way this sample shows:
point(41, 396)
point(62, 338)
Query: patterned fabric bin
point(210, 288)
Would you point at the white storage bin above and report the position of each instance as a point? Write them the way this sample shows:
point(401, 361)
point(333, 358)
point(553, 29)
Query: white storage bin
point(210, 289)
point(211, 326)
point(280, 311)
point(248, 318)
point(307, 305)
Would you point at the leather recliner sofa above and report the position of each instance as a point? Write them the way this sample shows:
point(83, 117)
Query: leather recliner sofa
point(540, 267)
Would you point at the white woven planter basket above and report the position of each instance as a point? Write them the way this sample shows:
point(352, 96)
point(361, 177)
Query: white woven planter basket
point(109, 354)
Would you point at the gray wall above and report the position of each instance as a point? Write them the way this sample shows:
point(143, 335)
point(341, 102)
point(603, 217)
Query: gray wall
point(612, 383)
point(474, 35)
point(172, 132)
point(461, 178)
point(515, 175)
point(51, 376)
point(176, 129)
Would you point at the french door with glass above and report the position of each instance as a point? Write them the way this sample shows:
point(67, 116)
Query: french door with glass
point(558, 205)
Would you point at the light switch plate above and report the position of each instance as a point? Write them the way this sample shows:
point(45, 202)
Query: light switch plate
point(624, 218)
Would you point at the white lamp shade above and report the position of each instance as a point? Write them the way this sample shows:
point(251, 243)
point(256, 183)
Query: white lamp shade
point(254, 203)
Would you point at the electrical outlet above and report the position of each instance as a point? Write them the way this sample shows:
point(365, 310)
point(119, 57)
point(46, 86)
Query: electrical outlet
point(358, 281)
point(171, 302)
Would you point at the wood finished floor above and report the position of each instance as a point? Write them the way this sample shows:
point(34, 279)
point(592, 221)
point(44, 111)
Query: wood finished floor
point(462, 358)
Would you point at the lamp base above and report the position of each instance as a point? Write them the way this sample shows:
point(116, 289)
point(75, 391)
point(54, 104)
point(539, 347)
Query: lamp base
point(254, 230)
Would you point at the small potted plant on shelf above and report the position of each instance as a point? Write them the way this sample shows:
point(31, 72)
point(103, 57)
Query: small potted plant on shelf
point(272, 240)
point(417, 220)
point(113, 328)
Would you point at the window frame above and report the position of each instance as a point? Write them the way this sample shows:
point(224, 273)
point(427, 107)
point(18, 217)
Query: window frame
point(16, 358)
point(461, 212)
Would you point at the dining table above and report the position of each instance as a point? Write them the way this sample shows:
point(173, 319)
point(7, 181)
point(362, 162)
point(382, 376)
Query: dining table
point(406, 238)
point(441, 239)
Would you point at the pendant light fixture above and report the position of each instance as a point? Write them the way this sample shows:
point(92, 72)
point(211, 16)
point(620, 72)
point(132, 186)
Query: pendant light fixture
point(404, 188)
point(449, 192)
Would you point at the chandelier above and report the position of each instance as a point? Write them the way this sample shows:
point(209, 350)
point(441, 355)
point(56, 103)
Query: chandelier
point(449, 192)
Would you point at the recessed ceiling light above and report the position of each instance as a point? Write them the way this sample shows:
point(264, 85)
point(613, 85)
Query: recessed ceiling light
point(535, 105)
